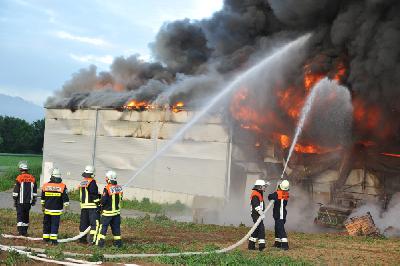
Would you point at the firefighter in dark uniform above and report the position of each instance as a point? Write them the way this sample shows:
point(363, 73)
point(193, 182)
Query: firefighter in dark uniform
point(24, 195)
point(89, 201)
point(257, 209)
point(111, 210)
point(280, 198)
point(54, 199)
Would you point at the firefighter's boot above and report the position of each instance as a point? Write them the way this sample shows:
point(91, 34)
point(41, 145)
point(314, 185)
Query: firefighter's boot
point(100, 243)
point(285, 246)
point(261, 244)
point(118, 243)
point(277, 243)
point(252, 244)
point(91, 238)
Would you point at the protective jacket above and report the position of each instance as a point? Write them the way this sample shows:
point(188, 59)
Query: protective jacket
point(280, 199)
point(111, 200)
point(54, 198)
point(257, 202)
point(25, 189)
point(88, 193)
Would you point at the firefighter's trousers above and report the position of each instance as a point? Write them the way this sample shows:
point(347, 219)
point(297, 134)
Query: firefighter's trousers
point(23, 217)
point(280, 234)
point(259, 233)
point(89, 217)
point(51, 223)
point(115, 224)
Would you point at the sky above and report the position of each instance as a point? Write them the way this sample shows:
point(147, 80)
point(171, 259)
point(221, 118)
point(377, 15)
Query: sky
point(43, 42)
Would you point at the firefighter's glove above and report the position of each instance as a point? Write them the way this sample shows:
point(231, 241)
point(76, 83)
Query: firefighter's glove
point(260, 212)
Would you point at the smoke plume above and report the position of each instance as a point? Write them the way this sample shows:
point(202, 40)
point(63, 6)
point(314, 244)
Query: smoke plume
point(386, 220)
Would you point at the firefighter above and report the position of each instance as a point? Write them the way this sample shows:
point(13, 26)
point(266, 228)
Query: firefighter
point(54, 199)
point(89, 201)
point(111, 210)
point(280, 198)
point(24, 195)
point(257, 209)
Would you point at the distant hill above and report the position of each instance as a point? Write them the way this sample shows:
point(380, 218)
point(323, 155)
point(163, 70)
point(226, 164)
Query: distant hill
point(18, 107)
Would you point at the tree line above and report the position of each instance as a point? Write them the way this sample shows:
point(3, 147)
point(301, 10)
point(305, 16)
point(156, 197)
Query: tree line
point(19, 136)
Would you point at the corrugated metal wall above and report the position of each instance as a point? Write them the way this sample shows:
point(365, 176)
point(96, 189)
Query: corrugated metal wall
point(195, 166)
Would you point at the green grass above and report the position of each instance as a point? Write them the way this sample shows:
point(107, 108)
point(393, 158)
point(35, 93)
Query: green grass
point(14, 258)
point(232, 258)
point(9, 163)
point(12, 160)
point(144, 205)
point(161, 235)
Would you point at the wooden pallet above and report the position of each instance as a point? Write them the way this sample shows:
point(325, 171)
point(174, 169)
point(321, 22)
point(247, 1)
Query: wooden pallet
point(361, 225)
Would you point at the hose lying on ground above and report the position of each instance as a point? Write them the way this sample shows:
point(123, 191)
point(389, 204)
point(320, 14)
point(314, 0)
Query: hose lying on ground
point(231, 247)
point(66, 240)
point(29, 255)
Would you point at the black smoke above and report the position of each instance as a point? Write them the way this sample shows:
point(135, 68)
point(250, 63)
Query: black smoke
point(363, 34)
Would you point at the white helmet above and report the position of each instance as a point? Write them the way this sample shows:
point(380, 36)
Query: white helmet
point(260, 182)
point(56, 173)
point(284, 185)
point(89, 169)
point(111, 175)
point(23, 166)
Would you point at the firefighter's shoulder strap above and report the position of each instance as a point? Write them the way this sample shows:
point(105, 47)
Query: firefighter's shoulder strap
point(282, 194)
point(25, 178)
point(54, 187)
point(257, 194)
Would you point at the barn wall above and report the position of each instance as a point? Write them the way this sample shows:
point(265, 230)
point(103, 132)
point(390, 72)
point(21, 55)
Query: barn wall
point(194, 167)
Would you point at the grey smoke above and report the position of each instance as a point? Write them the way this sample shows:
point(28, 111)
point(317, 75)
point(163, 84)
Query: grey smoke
point(386, 220)
point(332, 108)
point(182, 46)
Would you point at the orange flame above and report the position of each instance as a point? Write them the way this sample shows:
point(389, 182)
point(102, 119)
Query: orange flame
point(178, 107)
point(135, 105)
point(285, 142)
point(266, 120)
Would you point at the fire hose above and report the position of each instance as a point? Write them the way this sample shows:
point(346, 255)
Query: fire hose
point(66, 240)
point(146, 255)
point(43, 257)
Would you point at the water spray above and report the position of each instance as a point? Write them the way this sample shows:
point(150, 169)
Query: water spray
point(253, 71)
point(303, 116)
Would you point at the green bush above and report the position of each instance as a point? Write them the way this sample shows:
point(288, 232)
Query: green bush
point(147, 206)
point(7, 178)
point(144, 205)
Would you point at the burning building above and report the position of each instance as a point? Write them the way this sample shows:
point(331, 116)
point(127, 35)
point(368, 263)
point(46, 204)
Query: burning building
point(349, 149)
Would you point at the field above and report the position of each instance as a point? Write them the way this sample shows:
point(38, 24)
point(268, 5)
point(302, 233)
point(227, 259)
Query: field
point(161, 235)
point(9, 168)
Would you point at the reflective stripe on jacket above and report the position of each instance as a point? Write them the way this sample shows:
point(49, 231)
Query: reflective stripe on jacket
point(25, 189)
point(88, 193)
point(256, 202)
point(54, 198)
point(111, 200)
